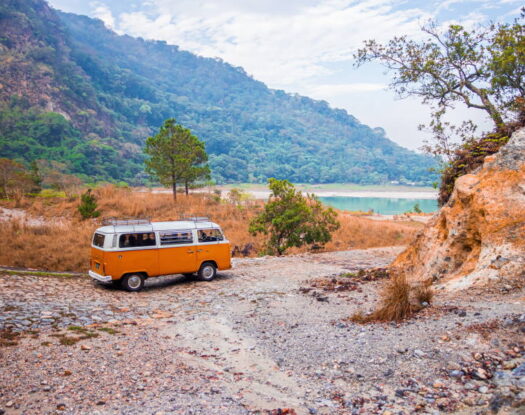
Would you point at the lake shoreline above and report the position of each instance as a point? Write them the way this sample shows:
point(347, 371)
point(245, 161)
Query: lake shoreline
point(430, 195)
point(261, 191)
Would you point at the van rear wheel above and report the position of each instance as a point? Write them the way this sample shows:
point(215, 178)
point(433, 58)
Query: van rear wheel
point(132, 282)
point(207, 271)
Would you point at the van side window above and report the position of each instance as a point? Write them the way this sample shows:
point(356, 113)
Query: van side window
point(131, 240)
point(176, 237)
point(210, 235)
point(98, 240)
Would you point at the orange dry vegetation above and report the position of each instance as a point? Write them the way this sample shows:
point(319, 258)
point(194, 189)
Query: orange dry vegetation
point(61, 240)
point(399, 300)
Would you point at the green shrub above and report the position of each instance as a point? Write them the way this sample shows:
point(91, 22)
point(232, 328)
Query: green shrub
point(88, 206)
point(291, 219)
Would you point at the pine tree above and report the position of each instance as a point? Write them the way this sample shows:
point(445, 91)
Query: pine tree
point(176, 156)
point(88, 205)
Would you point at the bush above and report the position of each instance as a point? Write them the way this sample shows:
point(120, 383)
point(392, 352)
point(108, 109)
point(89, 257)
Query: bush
point(290, 219)
point(88, 206)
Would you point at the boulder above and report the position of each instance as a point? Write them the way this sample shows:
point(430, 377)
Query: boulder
point(479, 234)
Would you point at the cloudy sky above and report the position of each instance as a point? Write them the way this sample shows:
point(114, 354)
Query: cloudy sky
point(303, 46)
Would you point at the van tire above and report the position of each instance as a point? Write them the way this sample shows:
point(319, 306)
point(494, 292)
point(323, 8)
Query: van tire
point(207, 271)
point(132, 282)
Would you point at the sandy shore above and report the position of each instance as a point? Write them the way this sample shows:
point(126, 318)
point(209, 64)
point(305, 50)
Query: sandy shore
point(261, 194)
point(387, 194)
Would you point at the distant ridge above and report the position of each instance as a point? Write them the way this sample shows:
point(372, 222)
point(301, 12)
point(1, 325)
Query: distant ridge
point(75, 92)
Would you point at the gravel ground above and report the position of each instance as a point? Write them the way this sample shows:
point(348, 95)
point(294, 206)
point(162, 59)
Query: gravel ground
point(258, 339)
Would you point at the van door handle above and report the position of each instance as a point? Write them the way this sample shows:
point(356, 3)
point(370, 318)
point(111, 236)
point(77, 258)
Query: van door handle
point(190, 252)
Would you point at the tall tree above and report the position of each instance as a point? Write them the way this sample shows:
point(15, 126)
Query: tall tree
point(176, 156)
point(198, 170)
point(482, 68)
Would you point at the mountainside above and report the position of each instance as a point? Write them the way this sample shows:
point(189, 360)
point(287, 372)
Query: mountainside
point(73, 91)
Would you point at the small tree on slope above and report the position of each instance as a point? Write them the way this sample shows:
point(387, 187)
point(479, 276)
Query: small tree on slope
point(291, 219)
point(88, 205)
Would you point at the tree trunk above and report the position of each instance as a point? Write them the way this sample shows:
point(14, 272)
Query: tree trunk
point(174, 188)
point(186, 187)
point(493, 112)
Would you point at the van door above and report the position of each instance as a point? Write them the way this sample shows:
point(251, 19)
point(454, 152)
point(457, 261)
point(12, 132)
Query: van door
point(210, 246)
point(137, 252)
point(177, 253)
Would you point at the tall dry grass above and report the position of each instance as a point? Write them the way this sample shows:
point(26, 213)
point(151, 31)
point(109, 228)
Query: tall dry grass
point(399, 300)
point(61, 242)
point(61, 247)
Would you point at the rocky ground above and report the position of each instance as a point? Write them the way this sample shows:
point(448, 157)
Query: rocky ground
point(270, 336)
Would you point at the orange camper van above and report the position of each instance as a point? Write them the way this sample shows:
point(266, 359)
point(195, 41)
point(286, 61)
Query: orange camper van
point(129, 251)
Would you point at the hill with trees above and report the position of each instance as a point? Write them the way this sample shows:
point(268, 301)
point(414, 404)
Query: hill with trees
point(75, 92)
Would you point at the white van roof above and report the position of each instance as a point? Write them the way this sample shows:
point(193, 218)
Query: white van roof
point(158, 226)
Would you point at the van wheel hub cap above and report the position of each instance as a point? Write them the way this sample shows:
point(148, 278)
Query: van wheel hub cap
point(207, 272)
point(134, 281)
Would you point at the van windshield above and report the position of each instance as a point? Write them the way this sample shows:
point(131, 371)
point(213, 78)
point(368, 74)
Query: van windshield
point(210, 235)
point(98, 240)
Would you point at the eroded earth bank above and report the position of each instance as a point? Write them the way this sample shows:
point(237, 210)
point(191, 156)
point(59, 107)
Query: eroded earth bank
point(269, 336)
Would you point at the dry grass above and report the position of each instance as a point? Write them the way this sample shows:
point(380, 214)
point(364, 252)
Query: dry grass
point(8, 338)
point(399, 300)
point(61, 240)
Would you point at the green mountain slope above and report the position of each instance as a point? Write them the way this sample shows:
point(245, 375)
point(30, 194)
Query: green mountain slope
point(76, 92)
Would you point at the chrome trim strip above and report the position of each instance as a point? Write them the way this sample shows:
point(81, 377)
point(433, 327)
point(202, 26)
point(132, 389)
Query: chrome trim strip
point(103, 278)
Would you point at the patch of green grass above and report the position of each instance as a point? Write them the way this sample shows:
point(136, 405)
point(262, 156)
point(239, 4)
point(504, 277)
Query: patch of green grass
point(88, 335)
point(77, 328)
point(69, 341)
point(38, 273)
point(47, 193)
point(108, 330)
point(85, 333)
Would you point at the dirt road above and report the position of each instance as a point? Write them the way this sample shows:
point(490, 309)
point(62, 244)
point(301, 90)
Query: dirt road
point(257, 339)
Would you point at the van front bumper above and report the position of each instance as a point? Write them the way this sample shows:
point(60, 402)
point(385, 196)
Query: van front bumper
point(103, 278)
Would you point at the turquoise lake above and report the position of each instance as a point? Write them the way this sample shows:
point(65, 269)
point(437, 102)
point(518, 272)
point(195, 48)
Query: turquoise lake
point(381, 205)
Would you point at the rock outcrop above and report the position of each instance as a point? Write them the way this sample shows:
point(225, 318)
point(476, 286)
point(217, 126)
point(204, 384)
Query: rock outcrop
point(479, 235)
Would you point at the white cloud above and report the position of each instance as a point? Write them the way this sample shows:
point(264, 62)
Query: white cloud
point(328, 91)
point(103, 12)
point(303, 46)
point(280, 46)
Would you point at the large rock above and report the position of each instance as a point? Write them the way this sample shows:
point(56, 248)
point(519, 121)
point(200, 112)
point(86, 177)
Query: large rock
point(480, 233)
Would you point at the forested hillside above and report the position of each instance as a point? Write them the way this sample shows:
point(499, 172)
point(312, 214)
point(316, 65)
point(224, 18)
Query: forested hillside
point(76, 92)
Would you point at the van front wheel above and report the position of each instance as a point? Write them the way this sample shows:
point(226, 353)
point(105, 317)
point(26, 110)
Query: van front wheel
point(207, 271)
point(132, 282)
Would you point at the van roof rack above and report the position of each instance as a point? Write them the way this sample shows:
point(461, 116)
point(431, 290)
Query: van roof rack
point(195, 218)
point(113, 221)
